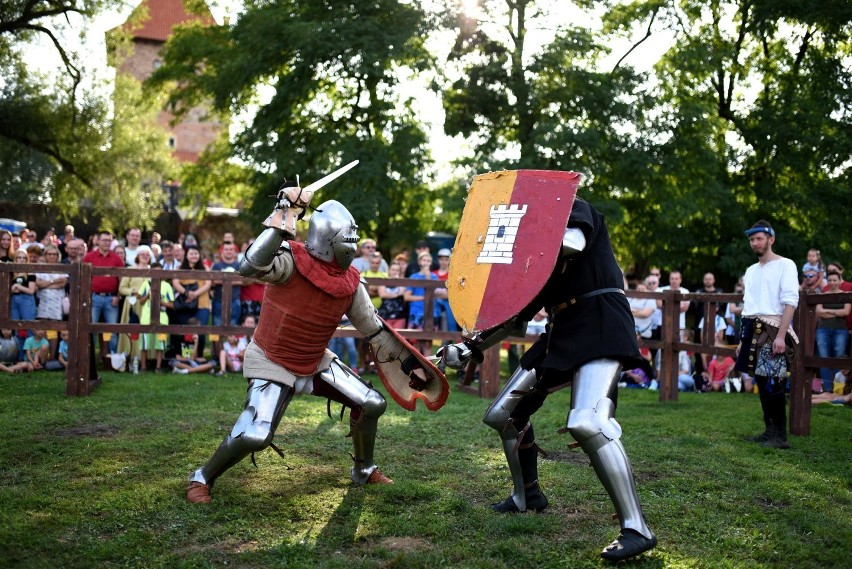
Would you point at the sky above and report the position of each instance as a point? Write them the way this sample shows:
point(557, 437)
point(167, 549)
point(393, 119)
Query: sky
point(443, 148)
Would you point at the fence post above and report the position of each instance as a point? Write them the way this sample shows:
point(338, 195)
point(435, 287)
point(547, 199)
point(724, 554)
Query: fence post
point(800, 384)
point(81, 374)
point(670, 335)
point(489, 373)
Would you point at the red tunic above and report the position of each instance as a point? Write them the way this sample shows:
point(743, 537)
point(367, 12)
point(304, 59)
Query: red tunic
point(301, 314)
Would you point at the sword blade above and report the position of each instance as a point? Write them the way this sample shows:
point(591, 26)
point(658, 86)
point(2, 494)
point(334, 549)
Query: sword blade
point(331, 177)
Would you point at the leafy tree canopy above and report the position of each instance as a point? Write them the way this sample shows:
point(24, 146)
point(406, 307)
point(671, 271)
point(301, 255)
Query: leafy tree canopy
point(69, 145)
point(746, 116)
point(322, 81)
point(751, 120)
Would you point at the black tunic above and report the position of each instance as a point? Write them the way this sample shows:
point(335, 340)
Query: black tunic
point(597, 327)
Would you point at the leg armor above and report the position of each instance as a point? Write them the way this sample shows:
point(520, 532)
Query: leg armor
point(339, 383)
point(253, 431)
point(518, 447)
point(591, 422)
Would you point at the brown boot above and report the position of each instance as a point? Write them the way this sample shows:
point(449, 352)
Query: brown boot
point(378, 478)
point(198, 493)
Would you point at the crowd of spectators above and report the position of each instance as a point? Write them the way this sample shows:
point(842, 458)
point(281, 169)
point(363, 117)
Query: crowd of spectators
point(41, 295)
point(703, 372)
point(185, 301)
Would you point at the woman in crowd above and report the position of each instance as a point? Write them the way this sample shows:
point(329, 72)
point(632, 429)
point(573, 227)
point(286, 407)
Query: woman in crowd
point(23, 290)
point(51, 291)
point(7, 248)
point(415, 298)
point(392, 308)
point(151, 344)
point(129, 288)
point(685, 379)
point(416, 295)
point(643, 310)
point(34, 253)
point(197, 289)
point(121, 252)
point(831, 334)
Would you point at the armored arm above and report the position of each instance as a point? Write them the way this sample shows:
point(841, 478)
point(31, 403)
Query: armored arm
point(280, 226)
point(258, 259)
point(458, 355)
point(407, 375)
point(292, 201)
point(364, 318)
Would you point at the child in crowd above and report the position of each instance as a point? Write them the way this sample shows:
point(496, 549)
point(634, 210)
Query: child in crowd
point(232, 353)
point(250, 322)
point(635, 378)
point(718, 369)
point(62, 351)
point(188, 361)
point(841, 381)
point(36, 349)
point(685, 379)
point(151, 342)
point(814, 265)
point(8, 351)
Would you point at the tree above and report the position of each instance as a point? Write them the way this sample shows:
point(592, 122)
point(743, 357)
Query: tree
point(746, 116)
point(323, 81)
point(547, 109)
point(751, 120)
point(68, 145)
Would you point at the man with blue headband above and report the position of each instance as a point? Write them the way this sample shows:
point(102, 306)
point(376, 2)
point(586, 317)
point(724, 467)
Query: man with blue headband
point(766, 338)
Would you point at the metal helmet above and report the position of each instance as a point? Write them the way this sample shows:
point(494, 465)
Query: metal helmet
point(332, 234)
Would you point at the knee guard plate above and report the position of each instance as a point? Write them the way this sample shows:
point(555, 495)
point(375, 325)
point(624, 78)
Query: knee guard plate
point(252, 434)
point(588, 425)
point(499, 412)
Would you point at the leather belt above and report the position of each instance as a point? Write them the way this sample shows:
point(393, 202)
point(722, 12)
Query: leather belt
point(576, 299)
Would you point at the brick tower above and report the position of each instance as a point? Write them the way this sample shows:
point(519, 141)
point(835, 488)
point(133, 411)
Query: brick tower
point(196, 131)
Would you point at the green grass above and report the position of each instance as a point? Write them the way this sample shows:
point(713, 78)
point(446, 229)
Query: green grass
point(100, 482)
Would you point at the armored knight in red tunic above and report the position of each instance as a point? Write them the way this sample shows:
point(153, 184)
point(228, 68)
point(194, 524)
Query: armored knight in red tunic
point(311, 286)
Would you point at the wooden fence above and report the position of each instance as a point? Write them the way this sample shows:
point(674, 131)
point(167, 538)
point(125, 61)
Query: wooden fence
point(82, 376)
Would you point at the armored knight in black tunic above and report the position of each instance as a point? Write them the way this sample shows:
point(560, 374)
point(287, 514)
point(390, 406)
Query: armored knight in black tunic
point(591, 336)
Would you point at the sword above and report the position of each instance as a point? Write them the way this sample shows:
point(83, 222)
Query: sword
point(330, 177)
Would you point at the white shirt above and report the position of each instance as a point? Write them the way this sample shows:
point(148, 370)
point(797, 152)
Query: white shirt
point(682, 314)
point(643, 325)
point(130, 255)
point(719, 322)
point(769, 287)
point(729, 331)
point(172, 266)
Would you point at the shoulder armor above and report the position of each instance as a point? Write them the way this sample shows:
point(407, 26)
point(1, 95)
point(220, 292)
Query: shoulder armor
point(573, 241)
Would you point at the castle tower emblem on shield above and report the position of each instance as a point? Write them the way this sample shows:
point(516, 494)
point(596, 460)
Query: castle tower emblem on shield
point(502, 231)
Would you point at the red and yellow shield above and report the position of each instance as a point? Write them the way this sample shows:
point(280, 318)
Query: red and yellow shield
point(508, 241)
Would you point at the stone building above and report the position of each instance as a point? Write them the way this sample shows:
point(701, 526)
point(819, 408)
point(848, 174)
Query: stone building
point(197, 130)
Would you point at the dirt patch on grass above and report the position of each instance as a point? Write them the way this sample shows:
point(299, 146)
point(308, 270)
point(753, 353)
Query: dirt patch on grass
point(765, 502)
point(228, 546)
point(647, 476)
point(578, 458)
point(97, 430)
point(401, 544)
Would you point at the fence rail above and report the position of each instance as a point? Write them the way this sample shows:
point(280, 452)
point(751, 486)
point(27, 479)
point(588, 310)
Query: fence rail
point(82, 377)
